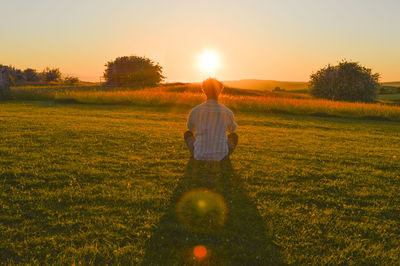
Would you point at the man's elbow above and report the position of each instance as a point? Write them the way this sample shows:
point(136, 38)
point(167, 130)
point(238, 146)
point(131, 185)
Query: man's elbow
point(233, 128)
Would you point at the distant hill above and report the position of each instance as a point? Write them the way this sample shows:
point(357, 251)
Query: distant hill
point(269, 85)
point(230, 90)
point(391, 84)
point(258, 84)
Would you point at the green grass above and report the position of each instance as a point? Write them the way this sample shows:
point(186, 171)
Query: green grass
point(390, 97)
point(99, 184)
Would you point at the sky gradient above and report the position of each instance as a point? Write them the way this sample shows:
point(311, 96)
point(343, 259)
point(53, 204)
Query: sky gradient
point(279, 40)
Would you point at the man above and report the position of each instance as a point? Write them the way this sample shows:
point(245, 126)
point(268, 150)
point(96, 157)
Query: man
point(210, 121)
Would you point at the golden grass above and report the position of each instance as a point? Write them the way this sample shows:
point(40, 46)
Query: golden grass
point(315, 106)
point(162, 96)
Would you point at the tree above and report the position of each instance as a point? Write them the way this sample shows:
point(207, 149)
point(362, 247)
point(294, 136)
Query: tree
point(278, 89)
point(31, 74)
point(71, 80)
point(348, 81)
point(133, 71)
point(51, 74)
point(17, 75)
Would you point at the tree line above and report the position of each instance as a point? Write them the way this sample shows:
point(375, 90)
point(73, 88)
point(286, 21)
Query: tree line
point(32, 76)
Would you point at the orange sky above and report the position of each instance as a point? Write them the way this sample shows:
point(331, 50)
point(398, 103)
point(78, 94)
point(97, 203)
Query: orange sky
point(280, 40)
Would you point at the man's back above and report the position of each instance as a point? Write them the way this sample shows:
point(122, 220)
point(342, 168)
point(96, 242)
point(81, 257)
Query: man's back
point(210, 121)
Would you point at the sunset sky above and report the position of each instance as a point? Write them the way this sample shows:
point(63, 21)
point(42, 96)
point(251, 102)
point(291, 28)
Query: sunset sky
point(264, 39)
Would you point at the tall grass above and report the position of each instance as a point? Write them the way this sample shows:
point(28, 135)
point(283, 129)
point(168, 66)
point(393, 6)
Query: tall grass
point(314, 107)
point(191, 96)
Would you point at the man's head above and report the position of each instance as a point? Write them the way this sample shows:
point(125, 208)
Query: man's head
point(212, 88)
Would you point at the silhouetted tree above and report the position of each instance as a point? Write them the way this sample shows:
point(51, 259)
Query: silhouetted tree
point(71, 80)
point(348, 81)
point(278, 89)
point(53, 74)
point(31, 75)
point(17, 75)
point(133, 71)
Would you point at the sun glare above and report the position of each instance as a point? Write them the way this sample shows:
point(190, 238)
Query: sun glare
point(209, 61)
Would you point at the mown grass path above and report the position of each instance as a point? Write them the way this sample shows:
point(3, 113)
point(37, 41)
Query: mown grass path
point(95, 184)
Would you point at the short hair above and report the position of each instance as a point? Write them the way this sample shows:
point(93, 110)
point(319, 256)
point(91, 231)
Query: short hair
point(212, 87)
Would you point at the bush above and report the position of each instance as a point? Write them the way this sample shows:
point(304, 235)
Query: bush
point(348, 81)
point(31, 75)
point(71, 80)
point(17, 75)
point(133, 71)
point(278, 89)
point(49, 75)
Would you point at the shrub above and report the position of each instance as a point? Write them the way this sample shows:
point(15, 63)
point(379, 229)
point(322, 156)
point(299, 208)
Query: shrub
point(31, 75)
point(49, 75)
point(17, 75)
point(348, 81)
point(278, 89)
point(71, 80)
point(133, 71)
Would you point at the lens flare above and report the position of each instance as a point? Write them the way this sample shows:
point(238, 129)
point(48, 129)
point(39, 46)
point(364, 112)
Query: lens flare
point(201, 204)
point(201, 210)
point(200, 251)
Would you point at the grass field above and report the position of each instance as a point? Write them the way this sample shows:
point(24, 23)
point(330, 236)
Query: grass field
point(255, 84)
point(96, 184)
point(394, 83)
point(395, 97)
point(187, 95)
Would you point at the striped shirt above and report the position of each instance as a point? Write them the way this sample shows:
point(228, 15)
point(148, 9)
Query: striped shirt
point(209, 122)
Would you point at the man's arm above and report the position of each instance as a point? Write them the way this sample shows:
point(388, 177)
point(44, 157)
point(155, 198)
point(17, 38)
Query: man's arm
point(231, 123)
point(190, 122)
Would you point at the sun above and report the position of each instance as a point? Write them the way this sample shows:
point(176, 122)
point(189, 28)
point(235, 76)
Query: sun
point(209, 61)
